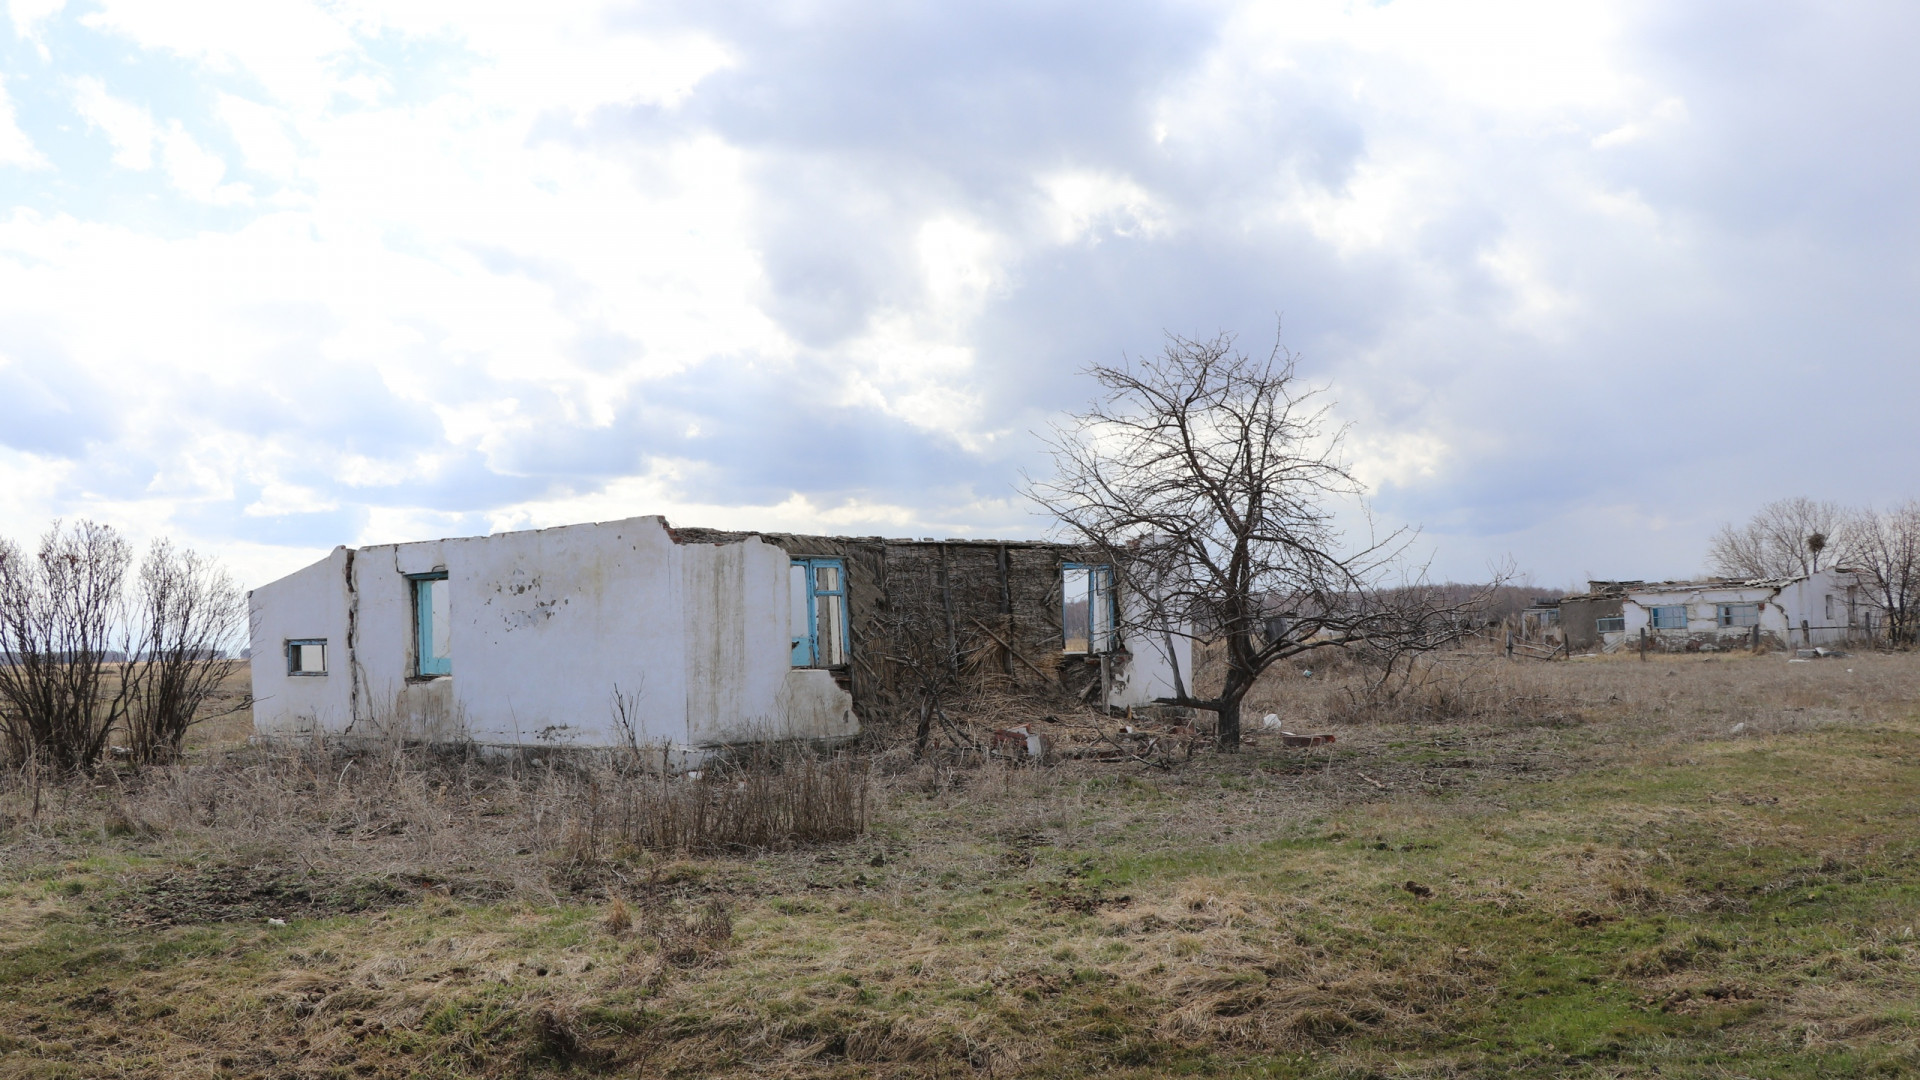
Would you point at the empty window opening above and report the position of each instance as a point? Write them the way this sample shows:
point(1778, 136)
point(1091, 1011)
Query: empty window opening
point(1738, 615)
point(433, 625)
point(307, 656)
point(1670, 617)
point(817, 612)
point(1087, 611)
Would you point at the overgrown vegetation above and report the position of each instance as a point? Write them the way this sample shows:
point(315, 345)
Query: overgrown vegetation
point(86, 654)
point(1575, 869)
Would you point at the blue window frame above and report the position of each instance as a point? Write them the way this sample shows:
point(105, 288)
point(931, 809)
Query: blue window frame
point(1670, 617)
point(1610, 624)
point(817, 612)
point(432, 625)
point(1739, 614)
point(1088, 611)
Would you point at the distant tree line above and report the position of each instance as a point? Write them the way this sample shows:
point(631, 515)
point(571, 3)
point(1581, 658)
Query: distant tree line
point(92, 644)
point(1791, 537)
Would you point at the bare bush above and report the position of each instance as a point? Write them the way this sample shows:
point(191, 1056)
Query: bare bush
point(928, 658)
point(80, 658)
point(62, 612)
point(761, 802)
point(1427, 692)
point(187, 612)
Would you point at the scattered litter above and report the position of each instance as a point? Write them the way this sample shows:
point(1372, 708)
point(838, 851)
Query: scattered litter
point(1023, 740)
point(1738, 728)
point(1306, 673)
point(1289, 738)
point(1270, 722)
point(276, 922)
point(1372, 781)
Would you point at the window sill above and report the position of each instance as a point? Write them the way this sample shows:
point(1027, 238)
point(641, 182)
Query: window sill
point(428, 678)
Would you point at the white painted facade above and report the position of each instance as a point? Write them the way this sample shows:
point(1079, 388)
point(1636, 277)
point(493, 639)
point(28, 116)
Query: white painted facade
point(545, 628)
point(1828, 607)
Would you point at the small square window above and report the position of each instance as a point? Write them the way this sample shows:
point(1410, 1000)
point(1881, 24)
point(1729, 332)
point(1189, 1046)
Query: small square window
point(307, 656)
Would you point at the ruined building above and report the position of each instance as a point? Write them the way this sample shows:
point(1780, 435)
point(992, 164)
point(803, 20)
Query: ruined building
point(625, 631)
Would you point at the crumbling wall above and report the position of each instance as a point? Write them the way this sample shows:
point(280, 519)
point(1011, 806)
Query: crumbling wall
point(1580, 616)
point(995, 602)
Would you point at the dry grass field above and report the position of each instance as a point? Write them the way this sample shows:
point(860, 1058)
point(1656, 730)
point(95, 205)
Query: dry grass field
point(1538, 869)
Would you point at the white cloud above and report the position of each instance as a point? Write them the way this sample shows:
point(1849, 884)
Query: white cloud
point(511, 263)
point(127, 126)
point(263, 135)
point(196, 172)
point(1667, 113)
point(1085, 203)
point(27, 15)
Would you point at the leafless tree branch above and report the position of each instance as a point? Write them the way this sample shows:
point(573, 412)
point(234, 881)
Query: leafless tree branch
point(1207, 479)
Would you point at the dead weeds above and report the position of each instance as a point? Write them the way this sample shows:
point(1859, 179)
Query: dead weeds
point(1544, 868)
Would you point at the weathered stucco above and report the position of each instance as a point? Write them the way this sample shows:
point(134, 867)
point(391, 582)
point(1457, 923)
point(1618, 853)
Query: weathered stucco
point(551, 630)
point(1792, 611)
point(547, 627)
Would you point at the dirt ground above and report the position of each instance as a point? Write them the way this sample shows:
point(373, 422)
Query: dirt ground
point(1693, 866)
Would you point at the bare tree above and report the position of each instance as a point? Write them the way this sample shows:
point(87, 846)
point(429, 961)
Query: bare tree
point(1206, 479)
point(1785, 538)
point(187, 612)
point(926, 660)
point(1885, 547)
point(61, 614)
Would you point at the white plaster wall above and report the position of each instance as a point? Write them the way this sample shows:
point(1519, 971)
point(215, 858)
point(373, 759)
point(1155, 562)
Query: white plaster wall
point(1149, 674)
point(545, 625)
point(1702, 610)
point(1807, 600)
point(308, 603)
point(1781, 609)
point(740, 684)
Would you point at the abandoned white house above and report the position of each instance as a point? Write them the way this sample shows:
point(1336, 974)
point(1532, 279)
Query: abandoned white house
point(1826, 607)
point(597, 634)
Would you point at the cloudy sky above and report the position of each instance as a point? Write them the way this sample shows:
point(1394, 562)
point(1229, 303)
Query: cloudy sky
point(1585, 279)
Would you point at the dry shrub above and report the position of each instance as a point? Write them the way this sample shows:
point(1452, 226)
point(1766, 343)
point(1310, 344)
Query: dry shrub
point(764, 801)
point(619, 919)
point(1442, 691)
point(440, 815)
point(679, 937)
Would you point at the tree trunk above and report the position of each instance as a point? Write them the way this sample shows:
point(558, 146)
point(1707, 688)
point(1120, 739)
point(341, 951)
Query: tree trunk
point(1229, 730)
point(926, 728)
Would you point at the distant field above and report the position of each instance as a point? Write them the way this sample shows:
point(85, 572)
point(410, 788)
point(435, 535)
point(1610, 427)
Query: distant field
point(1532, 869)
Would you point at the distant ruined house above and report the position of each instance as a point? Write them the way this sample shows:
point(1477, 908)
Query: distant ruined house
point(595, 635)
point(1827, 607)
